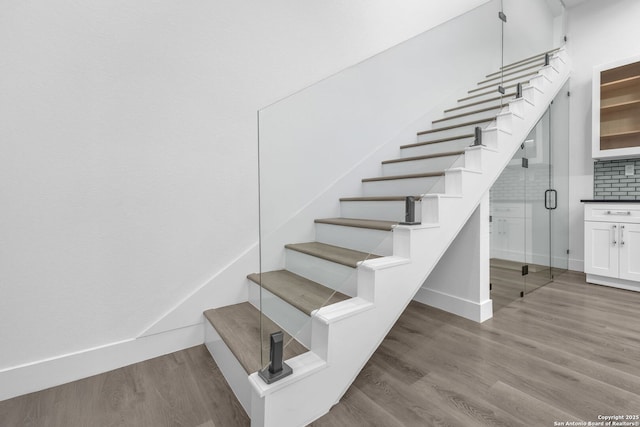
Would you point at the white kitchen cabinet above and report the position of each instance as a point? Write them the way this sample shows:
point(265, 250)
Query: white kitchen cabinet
point(630, 252)
point(510, 233)
point(612, 244)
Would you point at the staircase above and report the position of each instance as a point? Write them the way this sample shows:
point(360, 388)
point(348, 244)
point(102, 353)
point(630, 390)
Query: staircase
point(341, 294)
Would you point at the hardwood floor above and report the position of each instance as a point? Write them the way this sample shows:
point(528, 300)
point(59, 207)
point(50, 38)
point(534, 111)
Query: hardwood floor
point(569, 351)
point(183, 389)
point(566, 352)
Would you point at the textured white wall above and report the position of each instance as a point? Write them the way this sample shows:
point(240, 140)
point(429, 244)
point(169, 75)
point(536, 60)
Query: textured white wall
point(599, 32)
point(128, 147)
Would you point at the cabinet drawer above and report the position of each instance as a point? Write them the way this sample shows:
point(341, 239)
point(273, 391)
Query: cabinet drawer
point(618, 212)
point(507, 210)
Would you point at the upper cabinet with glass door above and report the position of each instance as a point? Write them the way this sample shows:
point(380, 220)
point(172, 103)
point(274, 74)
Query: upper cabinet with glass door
point(616, 109)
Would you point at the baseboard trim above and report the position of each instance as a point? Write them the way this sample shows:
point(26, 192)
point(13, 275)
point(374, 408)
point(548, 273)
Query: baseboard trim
point(43, 374)
point(478, 312)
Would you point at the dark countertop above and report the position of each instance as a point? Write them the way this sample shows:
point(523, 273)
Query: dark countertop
point(608, 201)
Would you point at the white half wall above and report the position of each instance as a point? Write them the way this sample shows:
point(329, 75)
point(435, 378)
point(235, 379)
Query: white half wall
point(459, 283)
point(599, 32)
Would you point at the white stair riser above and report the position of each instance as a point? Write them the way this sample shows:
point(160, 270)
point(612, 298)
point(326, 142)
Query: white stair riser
point(434, 164)
point(538, 62)
point(229, 365)
point(467, 109)
point(456, 180)
point(522, 72)
point(439, 147)
point(468, 118)
point(402, 187)
point(327, 273)
point(481, 96)
point(293, 321)
point(464, 130)
point(360, 239)
point(382, 210)
point(493, 86)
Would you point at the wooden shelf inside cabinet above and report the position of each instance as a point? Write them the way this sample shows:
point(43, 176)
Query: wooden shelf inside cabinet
point(622, 83)
point(616, 95)
point(627, 139)
point(618, 134)
point(619, 106)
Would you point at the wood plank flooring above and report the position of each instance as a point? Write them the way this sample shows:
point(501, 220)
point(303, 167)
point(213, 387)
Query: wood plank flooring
point(566, 352)
point(182, 389)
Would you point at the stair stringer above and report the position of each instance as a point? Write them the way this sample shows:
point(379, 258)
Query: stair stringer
point(339, 348)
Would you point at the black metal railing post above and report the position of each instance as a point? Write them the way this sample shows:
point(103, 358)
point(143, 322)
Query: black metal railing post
point(410, 211)
point(477, 140)
point(277, 369)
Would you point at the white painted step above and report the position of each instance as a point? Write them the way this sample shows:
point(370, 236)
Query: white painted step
point(422, 164)
point(441, 131)
point(513, 72)
point(384, 208)
point(331, 266)
point(487, 93)
point(478, 112)
point(364, 235)
point(290, 319)
point(403, 184)
point(457, 119)
point(507, 81)
point(289, 300)
point(472, 104)
point(435, 147)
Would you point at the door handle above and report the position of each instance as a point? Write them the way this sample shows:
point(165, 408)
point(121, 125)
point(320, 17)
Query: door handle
point(622, 235)
point(546, 199)
point(614, 228)
point(619, 213)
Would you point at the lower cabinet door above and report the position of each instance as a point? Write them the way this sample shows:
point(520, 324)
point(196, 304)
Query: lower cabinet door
point(630, 251)
point(601, 248)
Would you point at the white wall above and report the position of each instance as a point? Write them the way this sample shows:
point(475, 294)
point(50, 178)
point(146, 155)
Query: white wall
point(599, 32)
point(128, 148)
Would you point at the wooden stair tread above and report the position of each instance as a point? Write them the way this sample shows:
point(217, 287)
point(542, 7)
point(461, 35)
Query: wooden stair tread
point(425, 157)
point(302, 293)
point(239, 327)
point(478, 95)
point(460, 125)
point(492, 85)
point(377, 199)
point(469, 113)
point(359, 223)
point(337, 254)
point(436, 141)
point(497, 98)
point(524, 61)
point(409, 176)
point(511, 73)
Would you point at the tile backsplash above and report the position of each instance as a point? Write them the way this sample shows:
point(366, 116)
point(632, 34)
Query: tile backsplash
point(611, 183)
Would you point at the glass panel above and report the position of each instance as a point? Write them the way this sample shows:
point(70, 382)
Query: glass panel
point(338, 158)
point(559, 125)
point(508, 234)
point(538, 204)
